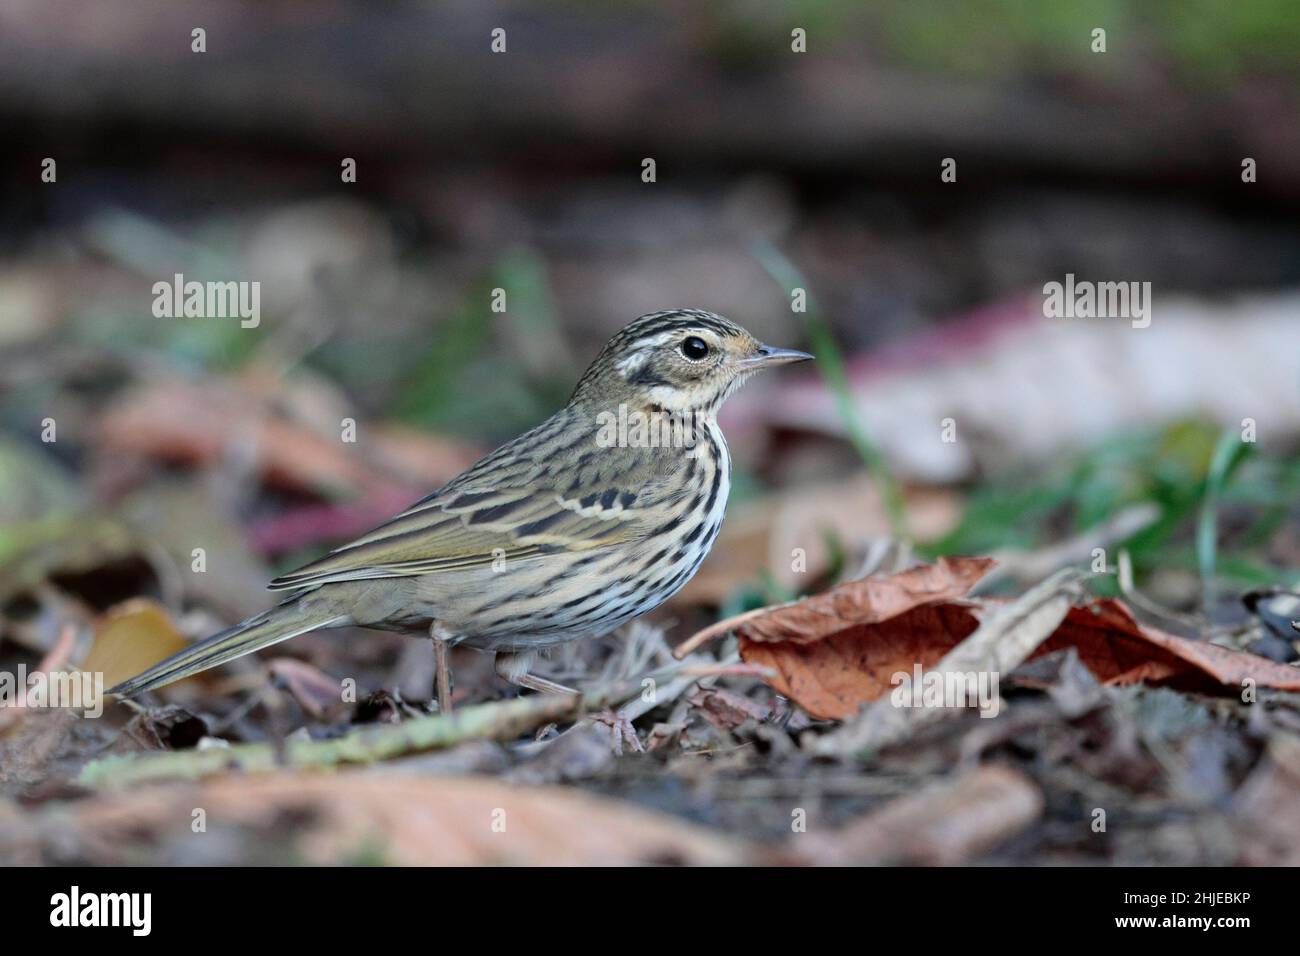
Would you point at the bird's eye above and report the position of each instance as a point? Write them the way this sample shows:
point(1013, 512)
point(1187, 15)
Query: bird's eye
point(694, 348)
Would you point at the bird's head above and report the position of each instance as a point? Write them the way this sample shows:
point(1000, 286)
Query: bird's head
point(684, 361)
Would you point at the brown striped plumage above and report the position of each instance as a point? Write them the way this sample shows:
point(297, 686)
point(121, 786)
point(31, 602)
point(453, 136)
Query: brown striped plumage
point(569, 530)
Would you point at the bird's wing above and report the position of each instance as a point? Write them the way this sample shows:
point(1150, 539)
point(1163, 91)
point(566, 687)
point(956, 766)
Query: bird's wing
point(518, 502)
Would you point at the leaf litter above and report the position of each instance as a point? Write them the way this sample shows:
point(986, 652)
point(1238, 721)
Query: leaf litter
point(774, 739)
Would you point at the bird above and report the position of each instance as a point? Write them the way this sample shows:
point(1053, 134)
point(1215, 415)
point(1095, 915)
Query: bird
point(592, 518)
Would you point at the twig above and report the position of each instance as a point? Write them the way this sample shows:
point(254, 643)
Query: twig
point(1138, 599)
point(501, 720)
point(717, 629)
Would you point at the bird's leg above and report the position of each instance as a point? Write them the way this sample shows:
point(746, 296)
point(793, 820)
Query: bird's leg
point(513, 667)
point(441, 671)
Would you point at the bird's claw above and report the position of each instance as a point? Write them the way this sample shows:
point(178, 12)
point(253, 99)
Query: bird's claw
point(621, 731)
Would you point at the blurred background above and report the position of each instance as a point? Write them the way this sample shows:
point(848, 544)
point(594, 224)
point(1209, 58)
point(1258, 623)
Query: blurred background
point(774, 171)
point(522, 171)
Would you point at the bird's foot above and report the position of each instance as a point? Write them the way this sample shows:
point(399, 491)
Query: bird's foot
point(621, 731)
point(514, 668)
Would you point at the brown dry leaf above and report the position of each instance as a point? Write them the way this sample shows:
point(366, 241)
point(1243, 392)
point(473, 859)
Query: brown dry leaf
point(316, 692)
point(864, 601)
point(834, 651)
point(1003, 640)
point(835, 676)
point(201, 422)
point(132, 637)
point(348, 816)
point(1119, 650)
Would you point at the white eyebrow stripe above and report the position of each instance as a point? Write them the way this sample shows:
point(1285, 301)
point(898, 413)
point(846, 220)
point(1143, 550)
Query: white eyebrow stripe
point(632, 362)
point(652, 341)
point(647, 344)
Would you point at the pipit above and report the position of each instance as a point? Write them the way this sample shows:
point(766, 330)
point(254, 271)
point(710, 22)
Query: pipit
point(596, 516)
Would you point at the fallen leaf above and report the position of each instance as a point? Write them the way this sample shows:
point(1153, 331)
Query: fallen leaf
point(864, 601)
point(203, 422)
point(1119, 650)
point(1007, 635)
point(316, 692)
point(835, 676)
point(834, 651)
point(132, 637)
point(351, 816)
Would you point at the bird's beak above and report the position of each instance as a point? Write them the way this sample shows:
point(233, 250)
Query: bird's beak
point(768, 355)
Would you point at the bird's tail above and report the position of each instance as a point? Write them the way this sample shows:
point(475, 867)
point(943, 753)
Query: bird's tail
point(287, 620)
